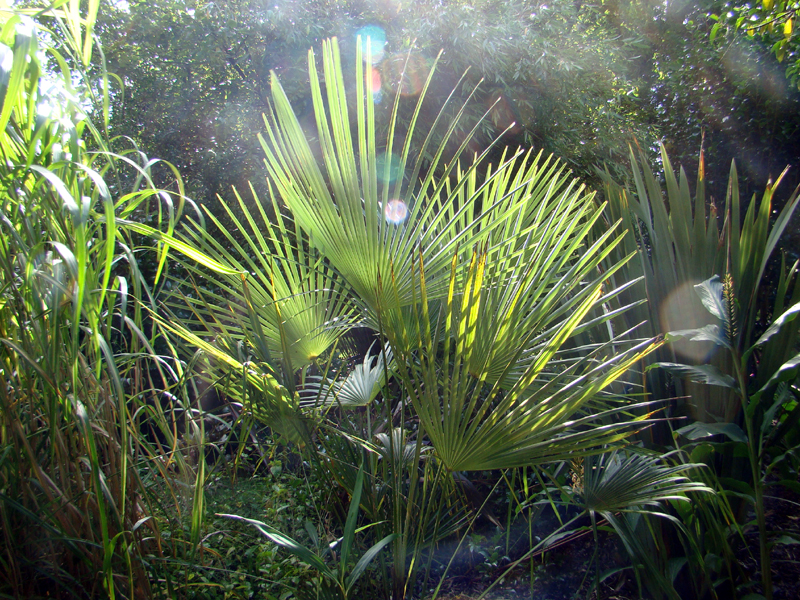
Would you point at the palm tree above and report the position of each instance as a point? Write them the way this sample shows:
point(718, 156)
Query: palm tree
point(482, 278)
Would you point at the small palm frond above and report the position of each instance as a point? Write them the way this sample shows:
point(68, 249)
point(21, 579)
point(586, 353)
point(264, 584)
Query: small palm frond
point(617, 481)
point(636, 485)
point(396, 448)
point(288, 299)
point(253, 383)
point(359, 388)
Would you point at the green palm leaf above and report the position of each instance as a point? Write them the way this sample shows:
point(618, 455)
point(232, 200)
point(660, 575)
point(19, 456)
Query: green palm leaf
point(616, 482)
point(290, 296)
point(369, 228)
point(253, 383)
point(476, 424)
point(358, 388)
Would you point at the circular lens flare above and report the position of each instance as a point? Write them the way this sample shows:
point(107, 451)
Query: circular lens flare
point(682, 309)
point(395, 211)
point(375, 83)
point(377, 42)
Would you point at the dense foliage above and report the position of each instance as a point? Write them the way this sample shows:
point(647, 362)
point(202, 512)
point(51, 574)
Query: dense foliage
point(404, 341)
point(580, 80)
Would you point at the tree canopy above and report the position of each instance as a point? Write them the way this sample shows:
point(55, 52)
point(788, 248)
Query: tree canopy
point(580, 79)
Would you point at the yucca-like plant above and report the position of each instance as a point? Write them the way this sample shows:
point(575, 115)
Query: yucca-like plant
point(729, 377)
point(680, 243)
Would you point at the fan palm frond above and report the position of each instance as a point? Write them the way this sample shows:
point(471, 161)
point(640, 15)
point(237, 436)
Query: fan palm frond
point(476, 424)
point(369, 223)
point(358, 388)
point(286, 301)
point(616, 481)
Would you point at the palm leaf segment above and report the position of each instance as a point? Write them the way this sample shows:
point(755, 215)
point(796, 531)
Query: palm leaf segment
point(344, 204)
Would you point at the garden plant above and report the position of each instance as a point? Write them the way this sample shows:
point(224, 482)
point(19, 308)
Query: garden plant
point(396, 358)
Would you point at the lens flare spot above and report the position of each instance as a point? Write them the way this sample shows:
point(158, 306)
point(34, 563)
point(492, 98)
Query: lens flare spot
point(377, 43)
point(375, 83)
point(406, 73)
point(395, 211)
point(387, 167)
point(682, 309)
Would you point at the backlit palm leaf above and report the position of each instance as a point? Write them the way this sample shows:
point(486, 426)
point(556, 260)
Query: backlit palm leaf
point(474, 423)
point(251, 382)
point(352, 207)
point(637, 486)
point(289, 296)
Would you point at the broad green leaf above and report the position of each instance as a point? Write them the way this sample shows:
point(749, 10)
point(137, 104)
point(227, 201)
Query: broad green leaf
point(698, 430)
point(709, 333)
point(786, 539)
point(367, 558)
point(699, 373)
point(350, 523)
point(715, 30)
point(788, 371)
point(710, 292)
point(786, 317)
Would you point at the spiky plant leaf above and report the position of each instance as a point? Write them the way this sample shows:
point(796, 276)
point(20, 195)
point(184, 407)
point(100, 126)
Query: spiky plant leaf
point(680, 244)
point(288, 295)
point(615, 481)
point(352, 215)
point(476, 424)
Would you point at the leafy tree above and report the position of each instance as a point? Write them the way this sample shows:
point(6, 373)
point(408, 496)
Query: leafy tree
point(557, 76)
point(580, 79)
point(731, 99)
point(773, 23)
